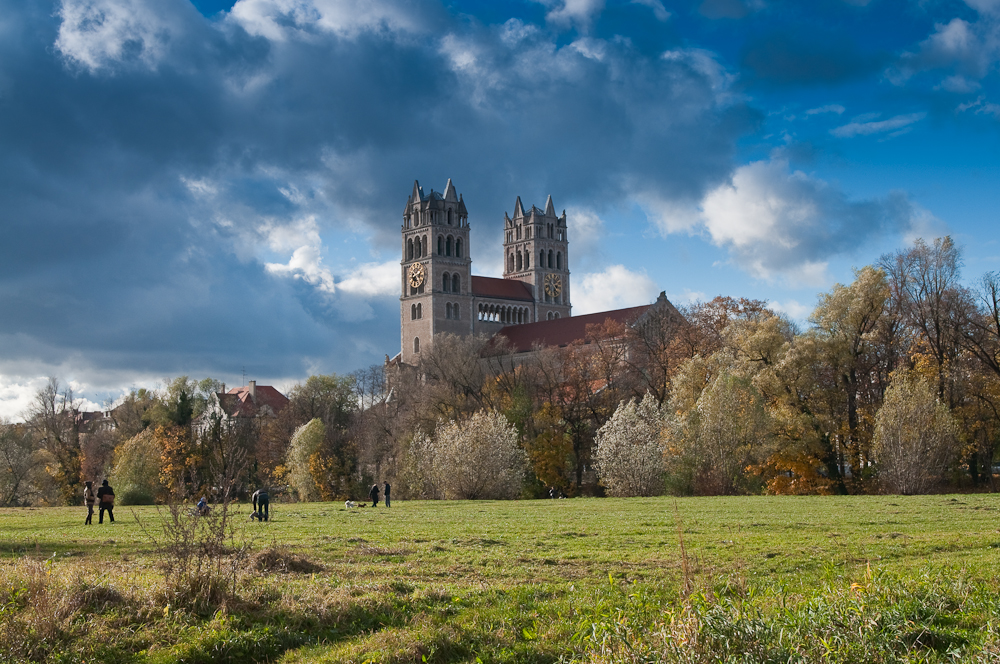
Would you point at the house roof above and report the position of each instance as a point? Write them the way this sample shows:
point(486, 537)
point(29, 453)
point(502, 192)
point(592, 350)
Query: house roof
point(237, 402)
point(505, 289)
point(564, 331)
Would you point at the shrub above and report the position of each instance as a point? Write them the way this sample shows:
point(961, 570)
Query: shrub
point(630, 449)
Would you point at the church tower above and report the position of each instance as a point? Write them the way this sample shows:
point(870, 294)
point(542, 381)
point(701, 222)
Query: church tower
point(436, 270)
point(536, 252)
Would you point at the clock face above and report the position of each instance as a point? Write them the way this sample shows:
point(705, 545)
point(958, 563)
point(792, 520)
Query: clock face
point(553, 285)
point(416, 275)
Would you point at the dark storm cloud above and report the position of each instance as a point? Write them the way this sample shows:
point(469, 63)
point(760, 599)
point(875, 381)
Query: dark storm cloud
point(153, 161)
point(807, 57)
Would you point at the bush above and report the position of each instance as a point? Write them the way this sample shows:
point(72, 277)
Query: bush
point(630, 450)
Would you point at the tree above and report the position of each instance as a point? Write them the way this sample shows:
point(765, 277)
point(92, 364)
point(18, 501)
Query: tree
point(731, 431)
point(915, 436)
point(53, 418)
point(630, 449)
point(136, 471)
point(17, 459)
point(305, 447)
point(479, 458)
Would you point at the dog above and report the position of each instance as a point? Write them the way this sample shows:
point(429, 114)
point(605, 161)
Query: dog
point(350, 504)
point(255, 515)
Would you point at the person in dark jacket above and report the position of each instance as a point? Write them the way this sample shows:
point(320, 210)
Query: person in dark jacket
point(89, 499)
point(373, 494)
point(386, 493)
point(261, 504)
point(106, 501)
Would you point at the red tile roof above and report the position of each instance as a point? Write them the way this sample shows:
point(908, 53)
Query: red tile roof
point(237, 402)
point(564, 331)
point(506, 289)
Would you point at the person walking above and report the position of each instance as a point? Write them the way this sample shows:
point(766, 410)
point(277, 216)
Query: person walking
point(386, 493)
point(261, 504)
point(373, 494)
point(89, 499)
point(106, 501)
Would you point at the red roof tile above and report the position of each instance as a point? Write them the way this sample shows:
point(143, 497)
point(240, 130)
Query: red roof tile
point(564, 331)
point(506, 289)
point(237, 401)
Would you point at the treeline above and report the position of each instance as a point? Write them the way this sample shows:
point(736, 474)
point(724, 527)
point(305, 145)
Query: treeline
point(894, 387)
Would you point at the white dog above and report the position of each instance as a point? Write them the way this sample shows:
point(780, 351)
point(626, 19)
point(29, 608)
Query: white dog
point(350, 504)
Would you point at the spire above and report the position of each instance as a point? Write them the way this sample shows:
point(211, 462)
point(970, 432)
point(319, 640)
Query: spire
point(518, 209)
point(449, 192)
point(418, 193)
point(550, 209)
point(461, 207)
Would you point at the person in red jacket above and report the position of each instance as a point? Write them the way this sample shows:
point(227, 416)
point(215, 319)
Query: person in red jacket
point(106, 501)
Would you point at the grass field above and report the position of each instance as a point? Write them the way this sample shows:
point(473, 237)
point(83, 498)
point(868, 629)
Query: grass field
point(850, 579)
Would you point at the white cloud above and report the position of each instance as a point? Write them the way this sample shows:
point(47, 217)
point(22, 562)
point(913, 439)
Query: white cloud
point(659, 11)
point(777, 222)
point(970, 48)
point(570, 13)
point(105, 33)
point(829, 108)
point(587, 229)
point(373, 279)
point(980, 106)
point(617, 287)
point(792, 308)
point(279, 20)
point(306, 261)
point(893, 124)
point(985, 6)
point(959, 84)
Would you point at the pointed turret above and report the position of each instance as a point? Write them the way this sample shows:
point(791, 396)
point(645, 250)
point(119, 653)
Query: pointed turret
point(418, 193)
point(449, 192)
point(550, 209)
point(461, 207)
point(518, 209)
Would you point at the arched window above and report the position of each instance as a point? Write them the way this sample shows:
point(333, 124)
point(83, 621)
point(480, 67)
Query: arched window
point(458, 247)
point(413, 312)
point(555, 315)
point(558, 260)
point(424, 247)
point(550, 258)
point(527, 260)
point(446, 282)
point(420, 313)
point(409, 249)
point(541, 258)
point(447, 251)
point(456, 284)
point(510, 263)
point(440, 245)
point(416, 344)
point(416, 247)
point(447, 310)
point(548, 316)
point(520, 262)
point(454, 311)
point(449, 217)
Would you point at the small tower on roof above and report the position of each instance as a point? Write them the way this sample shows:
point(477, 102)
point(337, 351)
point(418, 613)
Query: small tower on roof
point(536, 252)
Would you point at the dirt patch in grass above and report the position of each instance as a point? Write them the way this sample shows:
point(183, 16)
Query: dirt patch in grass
point(282, 559)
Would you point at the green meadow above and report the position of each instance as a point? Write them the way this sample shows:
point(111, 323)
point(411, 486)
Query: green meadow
point(741, 579)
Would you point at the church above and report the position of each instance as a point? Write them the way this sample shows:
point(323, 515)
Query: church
point(529, 305)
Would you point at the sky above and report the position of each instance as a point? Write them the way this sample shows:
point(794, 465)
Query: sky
point(215, 189)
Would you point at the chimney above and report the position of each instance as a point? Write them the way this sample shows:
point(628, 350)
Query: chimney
point(253, 390)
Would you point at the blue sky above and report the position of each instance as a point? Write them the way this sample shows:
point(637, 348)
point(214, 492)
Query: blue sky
point(211, 187)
